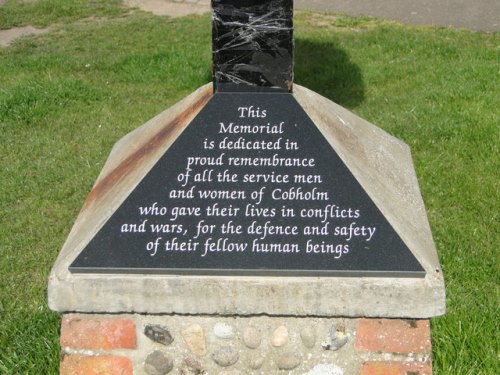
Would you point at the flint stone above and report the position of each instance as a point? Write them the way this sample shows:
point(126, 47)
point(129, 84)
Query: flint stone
point(225, 356)
point(336, 339)
point(158, 363)
point(158, 333)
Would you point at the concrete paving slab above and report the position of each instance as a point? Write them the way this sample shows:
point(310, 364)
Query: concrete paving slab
point(479, 15)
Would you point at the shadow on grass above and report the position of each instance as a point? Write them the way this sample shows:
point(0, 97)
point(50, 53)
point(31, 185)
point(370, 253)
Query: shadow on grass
point(323, 68)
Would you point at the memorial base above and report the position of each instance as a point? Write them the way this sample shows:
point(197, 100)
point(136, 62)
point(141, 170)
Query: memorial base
point(232, 345)
point(378, 163)
point(124, 322)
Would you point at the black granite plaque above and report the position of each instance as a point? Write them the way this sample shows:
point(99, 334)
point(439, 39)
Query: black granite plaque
point(252, 45)
point(251, 187)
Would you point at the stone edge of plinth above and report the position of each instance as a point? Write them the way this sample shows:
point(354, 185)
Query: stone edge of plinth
point(379, 161)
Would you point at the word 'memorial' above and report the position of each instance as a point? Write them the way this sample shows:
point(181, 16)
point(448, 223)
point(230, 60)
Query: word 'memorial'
point(253, 45)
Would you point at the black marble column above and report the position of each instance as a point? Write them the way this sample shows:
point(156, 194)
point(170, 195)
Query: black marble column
point(252, 45)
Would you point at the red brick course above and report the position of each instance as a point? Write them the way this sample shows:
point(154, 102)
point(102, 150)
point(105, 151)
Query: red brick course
point(396, 368)
point(393, 336)
point(95, 365)
point(103, 335)
point(100, 334)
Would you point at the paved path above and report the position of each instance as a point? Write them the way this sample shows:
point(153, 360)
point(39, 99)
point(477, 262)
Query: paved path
point(481, 15)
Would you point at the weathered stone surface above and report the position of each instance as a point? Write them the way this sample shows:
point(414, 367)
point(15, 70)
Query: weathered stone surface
point(288, 361)
point(252, 337)
point(387, 176)
point(225, 356)
point(280, 336)
point(157, 363)
point(194, 337)
point(224, 331)
point(308, 336)
point(158, 333)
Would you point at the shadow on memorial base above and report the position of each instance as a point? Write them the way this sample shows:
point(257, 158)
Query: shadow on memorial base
point(327, 70)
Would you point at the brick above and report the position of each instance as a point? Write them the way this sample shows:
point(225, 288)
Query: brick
point(95, 365)
point(417, 368)
point(79, 332)
point(396, 368)
point(380, 368)
point(393, 336)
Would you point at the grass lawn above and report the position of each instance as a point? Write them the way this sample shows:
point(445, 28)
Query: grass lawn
point(68, 95)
